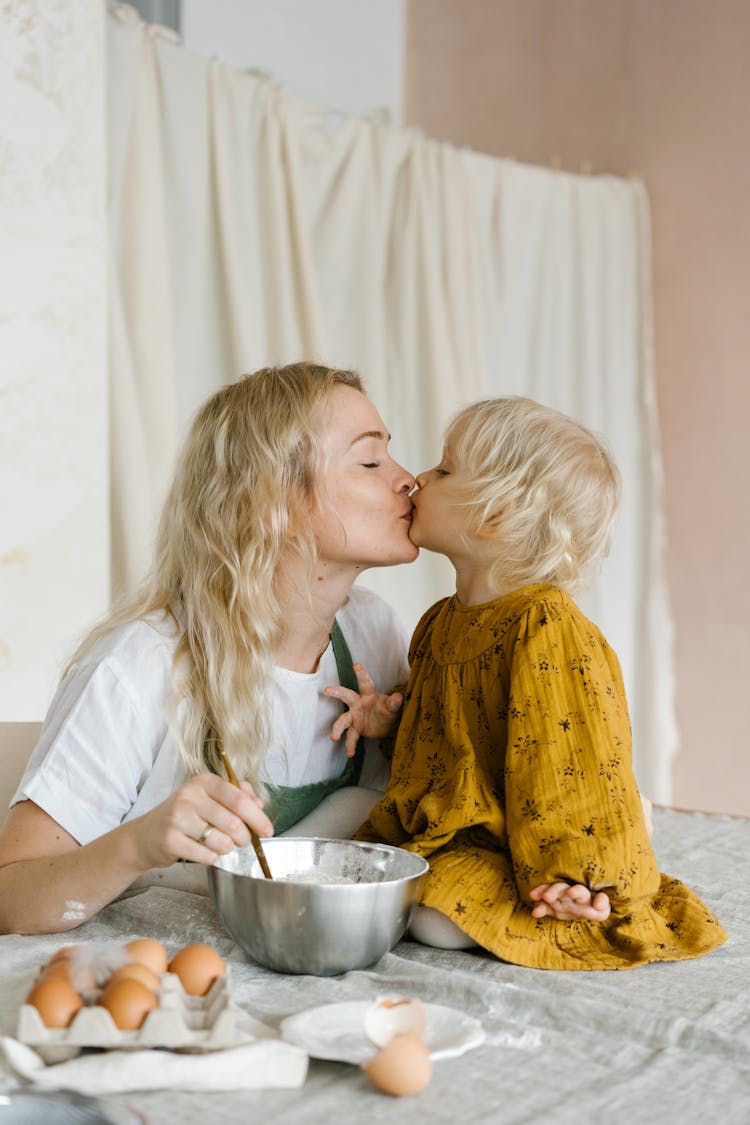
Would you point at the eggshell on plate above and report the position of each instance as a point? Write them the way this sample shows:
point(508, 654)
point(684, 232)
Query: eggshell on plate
point(148, 952)
point(402, 1067)
point(128, 1002)
point(197, 966)
point(56, 1001)
point(393, 1015)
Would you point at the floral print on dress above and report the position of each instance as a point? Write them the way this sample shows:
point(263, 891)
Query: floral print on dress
point(512, 767)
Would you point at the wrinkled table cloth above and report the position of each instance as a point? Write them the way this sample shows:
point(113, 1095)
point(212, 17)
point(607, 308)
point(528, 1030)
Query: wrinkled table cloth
point(659, 1044)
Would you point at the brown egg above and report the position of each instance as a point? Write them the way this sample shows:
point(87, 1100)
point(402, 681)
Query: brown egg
point(148, 952)
point(128, 1002)
point(65, 952)
point(197, 966)
point(76, 973)
point(136, 971)
point(60, 970)
point(402, 1067)
point(56, 1001)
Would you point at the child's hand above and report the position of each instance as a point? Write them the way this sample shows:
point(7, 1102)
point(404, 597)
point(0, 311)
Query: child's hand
point(566, 903)
point(647, 809)
point(370, 713)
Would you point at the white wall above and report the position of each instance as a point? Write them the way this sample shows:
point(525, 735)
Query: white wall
point(54, 532)
point(347, 55)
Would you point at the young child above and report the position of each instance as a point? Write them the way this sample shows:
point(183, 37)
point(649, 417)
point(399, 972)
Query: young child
point(512, 766)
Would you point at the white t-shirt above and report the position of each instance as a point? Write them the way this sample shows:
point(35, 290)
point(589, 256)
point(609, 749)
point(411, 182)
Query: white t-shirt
point(106, 753)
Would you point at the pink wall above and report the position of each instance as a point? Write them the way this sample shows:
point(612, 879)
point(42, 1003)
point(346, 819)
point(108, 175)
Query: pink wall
point(659, 89)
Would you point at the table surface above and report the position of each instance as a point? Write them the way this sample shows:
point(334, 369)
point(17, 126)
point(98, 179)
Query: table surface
point(661, 1043)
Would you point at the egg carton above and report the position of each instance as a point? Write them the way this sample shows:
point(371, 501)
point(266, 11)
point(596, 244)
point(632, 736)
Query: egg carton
point(180, 1022)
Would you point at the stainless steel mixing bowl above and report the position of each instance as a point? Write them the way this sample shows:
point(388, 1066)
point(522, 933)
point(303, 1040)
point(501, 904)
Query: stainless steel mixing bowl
point(316, 925)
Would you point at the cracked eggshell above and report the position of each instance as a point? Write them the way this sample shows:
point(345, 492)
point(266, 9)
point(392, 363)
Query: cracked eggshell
point(388, 1016)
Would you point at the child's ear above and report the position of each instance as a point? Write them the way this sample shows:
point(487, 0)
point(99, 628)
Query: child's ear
point(490, 529)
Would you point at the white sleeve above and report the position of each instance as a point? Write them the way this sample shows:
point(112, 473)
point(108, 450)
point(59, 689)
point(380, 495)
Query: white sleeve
point(94, 753)
point(376, 637)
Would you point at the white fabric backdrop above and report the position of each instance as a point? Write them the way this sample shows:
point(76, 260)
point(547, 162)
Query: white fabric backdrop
point(54, 503)
point(250, 228)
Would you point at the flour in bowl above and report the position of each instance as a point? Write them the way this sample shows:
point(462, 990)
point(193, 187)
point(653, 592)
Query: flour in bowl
point(323, 878)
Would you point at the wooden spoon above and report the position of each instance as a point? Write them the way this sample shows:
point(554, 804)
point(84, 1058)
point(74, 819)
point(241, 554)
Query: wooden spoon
point(257, 846)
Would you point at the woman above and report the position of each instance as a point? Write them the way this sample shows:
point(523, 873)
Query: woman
point(284, 493)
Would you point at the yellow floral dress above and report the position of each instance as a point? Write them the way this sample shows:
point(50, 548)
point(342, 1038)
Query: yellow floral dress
point(512, 767)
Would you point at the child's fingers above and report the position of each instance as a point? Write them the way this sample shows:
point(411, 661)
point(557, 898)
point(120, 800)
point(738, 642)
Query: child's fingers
point(547, 899)
point(589, 909)
point(564, 902)
point(346, 695)
point(567, 903)
point(394, 702)
point(579, 894)
point(352, 738)
point(364, 679)
point(553, 892)
point(342, 723)
point(541, 910)
point(601, 906)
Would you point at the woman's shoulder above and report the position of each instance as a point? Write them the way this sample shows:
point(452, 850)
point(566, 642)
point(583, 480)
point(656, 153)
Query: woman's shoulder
point(376, 635)
point(133, 661)
point(136, 644)
point(365, 610)
point(108, 717)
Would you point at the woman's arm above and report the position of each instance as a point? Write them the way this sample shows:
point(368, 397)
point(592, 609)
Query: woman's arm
point(50, 883)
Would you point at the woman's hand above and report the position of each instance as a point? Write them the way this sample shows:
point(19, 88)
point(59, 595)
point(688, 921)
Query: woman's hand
point(205, 817)
point(566, 903)
point(50, 883)
point(371, 713)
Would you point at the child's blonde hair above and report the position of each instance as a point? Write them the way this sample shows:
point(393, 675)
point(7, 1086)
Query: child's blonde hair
point(249, 470)
point(546, 486)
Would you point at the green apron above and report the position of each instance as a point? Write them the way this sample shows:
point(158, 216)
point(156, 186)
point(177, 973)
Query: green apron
point(288, 804)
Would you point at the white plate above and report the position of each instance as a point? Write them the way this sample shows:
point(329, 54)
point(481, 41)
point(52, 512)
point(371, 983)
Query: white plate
point(337, 1031)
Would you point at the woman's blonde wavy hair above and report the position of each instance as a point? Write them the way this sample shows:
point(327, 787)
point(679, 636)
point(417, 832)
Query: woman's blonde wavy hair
point(239, 502)
point(545, 486)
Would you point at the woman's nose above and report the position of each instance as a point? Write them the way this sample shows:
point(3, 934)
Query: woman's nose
point(405, 480)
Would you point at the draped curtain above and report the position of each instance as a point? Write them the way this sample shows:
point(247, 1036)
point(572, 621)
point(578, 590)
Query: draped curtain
point(249, 228)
